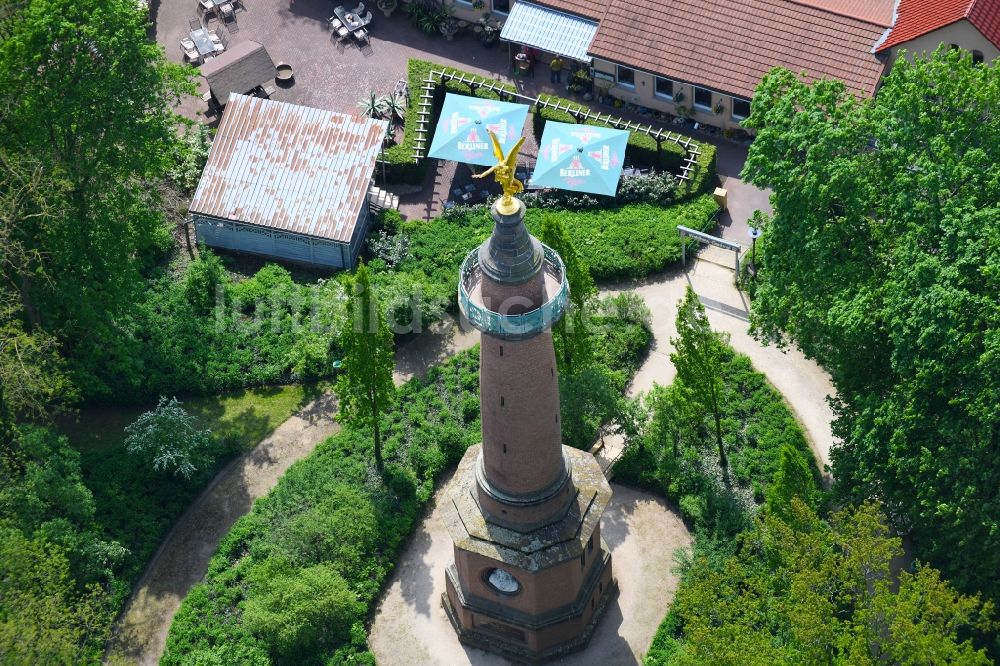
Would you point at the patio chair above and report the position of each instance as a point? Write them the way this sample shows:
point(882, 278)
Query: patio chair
point(367, 18)
point(188, 44)
point(192, 55)
point(359, 10)
point(194, 23)
point(361, 35)
point(470, 188)
point(228, 13)
point(206, 6)
point(335, 23)
point(343, 32)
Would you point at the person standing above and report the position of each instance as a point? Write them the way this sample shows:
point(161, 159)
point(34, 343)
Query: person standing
point(556, 64)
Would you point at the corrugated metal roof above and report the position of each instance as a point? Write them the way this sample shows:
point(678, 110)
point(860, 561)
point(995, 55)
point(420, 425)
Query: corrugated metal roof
point(238, 70)
point(289, 167)
point(549, 30)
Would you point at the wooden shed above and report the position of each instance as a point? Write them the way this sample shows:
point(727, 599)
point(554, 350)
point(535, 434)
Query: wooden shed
point(238, 70)
point(289, 182)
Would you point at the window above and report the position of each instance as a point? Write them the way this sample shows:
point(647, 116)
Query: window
point(626, 77)
point(977, 57)
point(703, 99)
point(741, 108)
point(664, 88)
point(502, 6)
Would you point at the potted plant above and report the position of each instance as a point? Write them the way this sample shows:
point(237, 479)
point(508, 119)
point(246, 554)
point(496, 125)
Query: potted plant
point(679, 96)
point(719, 108)
point(489, 36)
point(387, 7)
point(448, 28)
point(478, 4)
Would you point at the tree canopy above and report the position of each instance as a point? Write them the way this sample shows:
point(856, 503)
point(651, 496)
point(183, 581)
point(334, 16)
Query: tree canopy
point(883, 262)
point(365, 387)
point(86, 115)
point(820, 593)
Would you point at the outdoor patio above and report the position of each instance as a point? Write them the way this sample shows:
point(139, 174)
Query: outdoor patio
point(334, 75)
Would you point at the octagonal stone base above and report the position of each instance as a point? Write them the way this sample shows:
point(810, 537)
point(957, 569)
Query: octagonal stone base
point(563, 568)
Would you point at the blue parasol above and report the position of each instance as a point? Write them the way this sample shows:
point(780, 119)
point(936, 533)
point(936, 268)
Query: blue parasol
point(583, 158)
point(461, 130)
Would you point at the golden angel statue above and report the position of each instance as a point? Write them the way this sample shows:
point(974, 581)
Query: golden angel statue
point(503, 172)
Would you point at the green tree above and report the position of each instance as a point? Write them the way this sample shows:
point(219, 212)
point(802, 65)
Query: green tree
point(883, 262)
point(572, 337)
point(822, 593)
point(699, 358)
point(794, 479)
point(169, 438)
point(364, 385)
point(90, 98)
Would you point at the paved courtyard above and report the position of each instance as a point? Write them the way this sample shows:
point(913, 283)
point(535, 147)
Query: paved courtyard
point(334, 76)
point(643, 533)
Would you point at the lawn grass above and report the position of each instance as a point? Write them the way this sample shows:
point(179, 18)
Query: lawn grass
point(242, 418)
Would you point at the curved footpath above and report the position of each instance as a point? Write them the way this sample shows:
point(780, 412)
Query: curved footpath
point(183, 557)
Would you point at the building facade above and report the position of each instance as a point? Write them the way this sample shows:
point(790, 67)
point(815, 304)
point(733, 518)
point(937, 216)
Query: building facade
point(531, 574)
point(703, 60)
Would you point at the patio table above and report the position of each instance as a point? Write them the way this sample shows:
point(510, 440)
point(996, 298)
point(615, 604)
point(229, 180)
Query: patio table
point(202, 41)
point(351, 21)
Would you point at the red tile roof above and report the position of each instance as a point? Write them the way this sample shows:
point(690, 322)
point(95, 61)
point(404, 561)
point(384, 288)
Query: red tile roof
point(592, 9)
point(872, 11)
point(729, 46)
point(919, 17)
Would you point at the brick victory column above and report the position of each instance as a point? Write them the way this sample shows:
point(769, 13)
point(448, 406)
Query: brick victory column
point(531, 574)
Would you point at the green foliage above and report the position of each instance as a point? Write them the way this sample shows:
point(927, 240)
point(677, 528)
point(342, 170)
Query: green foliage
point(168, 438)
point(55, 564)
point(698, 357)
point(883, 262)
point(203, 281)
point(364, 384)
point(571, 338)
point(44, 619)
point(428, 15)
point(98, 142)
point(794, 479)
point(818, 593)
point(190, 156)
point(374, 105)
point(331, 510)
point(298, 613)
point(631, 241)
point(672, 453)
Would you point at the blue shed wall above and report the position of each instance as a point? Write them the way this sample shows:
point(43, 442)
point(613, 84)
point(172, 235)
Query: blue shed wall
point(300, 249)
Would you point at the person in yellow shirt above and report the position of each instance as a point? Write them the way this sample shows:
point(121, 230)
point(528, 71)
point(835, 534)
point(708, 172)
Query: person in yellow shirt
point(556, 65)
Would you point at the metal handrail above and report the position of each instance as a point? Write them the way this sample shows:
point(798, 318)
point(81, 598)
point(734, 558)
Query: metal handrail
point(518, 326)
